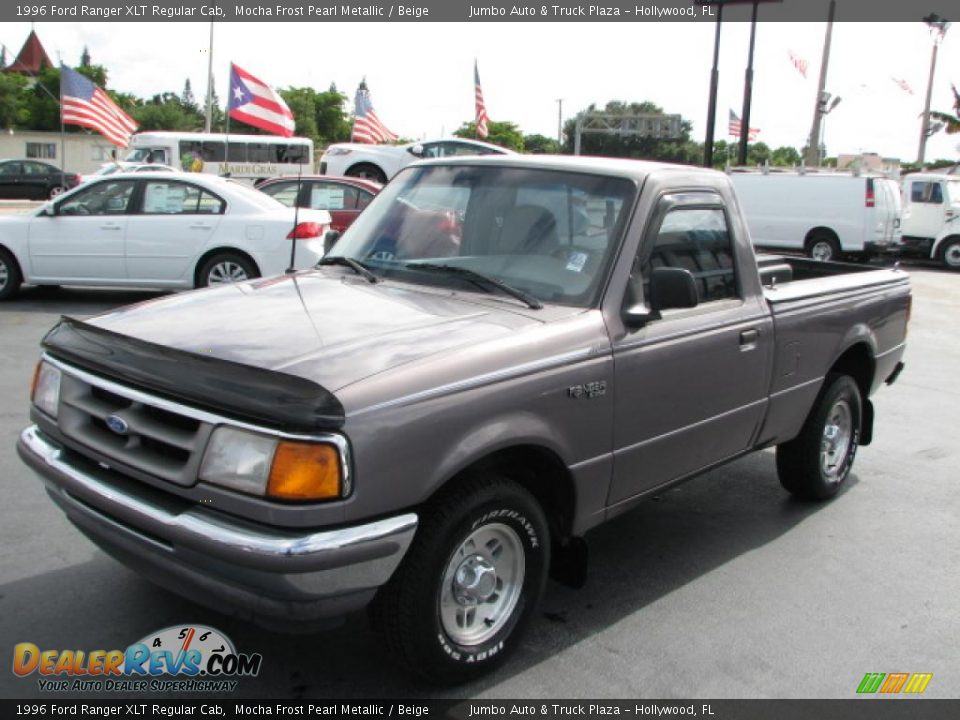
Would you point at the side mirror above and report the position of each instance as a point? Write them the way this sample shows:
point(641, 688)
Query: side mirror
point(49, 210)
point(416, 150)
point(330, 239)
point(672, 287)
point(669, 288)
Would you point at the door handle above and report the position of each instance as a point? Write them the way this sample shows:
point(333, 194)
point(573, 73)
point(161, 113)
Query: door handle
point(110, 227)
point(200, 226)
point(749, 337)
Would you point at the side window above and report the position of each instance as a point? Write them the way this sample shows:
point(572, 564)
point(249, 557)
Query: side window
point(926, 192)
point(284, 192)
point(214, 151)
point(174, 198)
point(698, 240)
point(237, 151)
point(432, 150)
point(105, 198)
point(329, 196)
point(363, 199)
point(10, 169)
point(258, 153)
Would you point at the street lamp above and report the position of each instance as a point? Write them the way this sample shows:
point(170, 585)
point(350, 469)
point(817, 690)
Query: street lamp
point(938, 28)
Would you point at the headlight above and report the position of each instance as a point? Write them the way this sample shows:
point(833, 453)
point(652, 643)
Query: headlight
point(266, 466)
point(45, 392)
point(338, 151)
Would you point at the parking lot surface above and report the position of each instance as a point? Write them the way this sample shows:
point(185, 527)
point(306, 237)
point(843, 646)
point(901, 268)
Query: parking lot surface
point(724, 587)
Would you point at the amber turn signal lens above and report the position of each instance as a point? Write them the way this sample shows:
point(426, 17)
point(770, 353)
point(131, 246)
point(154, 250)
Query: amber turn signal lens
point(304, 471)
point(36, 376)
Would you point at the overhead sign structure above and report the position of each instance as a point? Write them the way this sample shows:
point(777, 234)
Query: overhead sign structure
point(655, 125)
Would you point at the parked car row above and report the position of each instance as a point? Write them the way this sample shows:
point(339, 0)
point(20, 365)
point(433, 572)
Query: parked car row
point(157, 230)
point(34, 180)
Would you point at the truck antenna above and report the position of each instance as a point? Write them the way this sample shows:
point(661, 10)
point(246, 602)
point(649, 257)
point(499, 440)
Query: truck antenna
point(296, 218)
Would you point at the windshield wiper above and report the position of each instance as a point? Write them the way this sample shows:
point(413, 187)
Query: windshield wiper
point(480, 280)
point(354, 265)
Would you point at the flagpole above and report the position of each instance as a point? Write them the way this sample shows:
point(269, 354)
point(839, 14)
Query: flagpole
point(63, 137)
point(207, 122)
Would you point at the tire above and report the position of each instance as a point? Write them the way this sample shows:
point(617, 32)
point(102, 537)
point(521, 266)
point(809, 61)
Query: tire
point(225, 267)
point(367, 171)
point(55, 191)
point(949, 254)
point(457, 605)
point(814, 465)
point(10, 276)
point(823, 247)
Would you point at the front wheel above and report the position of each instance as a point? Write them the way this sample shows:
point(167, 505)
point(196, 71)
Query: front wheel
point(950, 254)
point(814, 464)
point(224, 268)
point(10, 277)
point(456, 606)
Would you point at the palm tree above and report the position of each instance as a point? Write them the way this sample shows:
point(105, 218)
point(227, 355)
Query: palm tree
point(951, 123)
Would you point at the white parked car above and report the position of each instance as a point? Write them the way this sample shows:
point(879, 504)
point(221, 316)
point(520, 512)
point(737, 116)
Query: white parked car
point(157, 230)
point(825, 215)
point(931, 217)
point(381, 162)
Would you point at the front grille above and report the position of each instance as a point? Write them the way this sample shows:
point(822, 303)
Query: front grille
point(156, 441)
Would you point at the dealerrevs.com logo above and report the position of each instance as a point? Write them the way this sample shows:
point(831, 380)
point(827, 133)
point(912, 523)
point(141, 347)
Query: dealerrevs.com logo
point(894, 683)
point(181, 658)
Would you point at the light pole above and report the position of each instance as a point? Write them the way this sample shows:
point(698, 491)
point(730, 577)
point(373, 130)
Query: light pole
point(813, 144)
point(938, 27)
point(559, 124)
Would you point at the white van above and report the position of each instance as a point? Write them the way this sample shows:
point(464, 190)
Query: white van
point(823, 214)
point(931, 217)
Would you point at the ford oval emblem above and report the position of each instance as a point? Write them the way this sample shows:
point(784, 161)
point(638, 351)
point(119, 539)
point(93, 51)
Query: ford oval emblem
point(117, 424)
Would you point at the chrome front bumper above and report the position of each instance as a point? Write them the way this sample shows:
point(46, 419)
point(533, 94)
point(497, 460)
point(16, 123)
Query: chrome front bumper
point(271, 575)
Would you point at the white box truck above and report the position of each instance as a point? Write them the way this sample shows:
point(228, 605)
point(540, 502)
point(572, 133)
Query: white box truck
point(824, 215)
point(931, 208)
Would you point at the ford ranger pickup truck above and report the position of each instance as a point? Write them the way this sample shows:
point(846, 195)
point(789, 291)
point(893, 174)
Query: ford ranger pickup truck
point(500, 354)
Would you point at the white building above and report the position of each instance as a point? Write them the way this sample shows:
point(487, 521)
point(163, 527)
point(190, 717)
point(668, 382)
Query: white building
point(82, 153)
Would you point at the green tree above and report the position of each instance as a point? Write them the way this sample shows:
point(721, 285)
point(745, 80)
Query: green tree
point(758, 153)
point(502, 133)
point(540, 145)
point(679, 149)
point(85, 57)
point(304, 109)
point(13, 109)
point(187, 99)
point(951, 123)
point(785, 156)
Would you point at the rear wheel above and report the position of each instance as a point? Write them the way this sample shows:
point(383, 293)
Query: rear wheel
point(456, 606)
point(823, 247)
point(225, 268)
point(367, 171)
point(950, 253)
point(55, 191)
point(814, 465)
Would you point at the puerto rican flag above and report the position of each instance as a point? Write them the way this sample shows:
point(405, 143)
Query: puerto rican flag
point(255, 103)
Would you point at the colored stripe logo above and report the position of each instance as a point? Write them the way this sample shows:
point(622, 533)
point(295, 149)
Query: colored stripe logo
point(894, 683)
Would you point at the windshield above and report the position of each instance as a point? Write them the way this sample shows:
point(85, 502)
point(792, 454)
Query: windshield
point(547, 233)
point(953, 189)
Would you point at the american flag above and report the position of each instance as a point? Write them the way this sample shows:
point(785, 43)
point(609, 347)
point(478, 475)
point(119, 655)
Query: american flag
point(255, 103)
point(798, 62)
point(903, 85)
point(735, 126)
point(482, 118)
point(83, 103)
point(367, 127)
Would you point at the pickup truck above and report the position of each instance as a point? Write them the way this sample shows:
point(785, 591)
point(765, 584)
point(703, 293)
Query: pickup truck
point(499, 355)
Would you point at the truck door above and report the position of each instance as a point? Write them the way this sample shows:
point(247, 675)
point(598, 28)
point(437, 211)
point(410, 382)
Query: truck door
point(926, 209)
point(692, 385)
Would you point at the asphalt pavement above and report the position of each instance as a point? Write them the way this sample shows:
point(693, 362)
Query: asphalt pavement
point(722, 588)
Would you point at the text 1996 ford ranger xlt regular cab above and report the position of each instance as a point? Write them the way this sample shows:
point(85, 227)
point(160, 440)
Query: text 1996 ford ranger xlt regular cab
point(500, 354)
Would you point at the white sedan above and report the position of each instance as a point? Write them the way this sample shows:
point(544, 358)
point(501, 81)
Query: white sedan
point(156, 230)
point(381, 162)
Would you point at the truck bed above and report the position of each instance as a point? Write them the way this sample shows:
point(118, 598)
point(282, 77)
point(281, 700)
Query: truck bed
point(788, 279)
